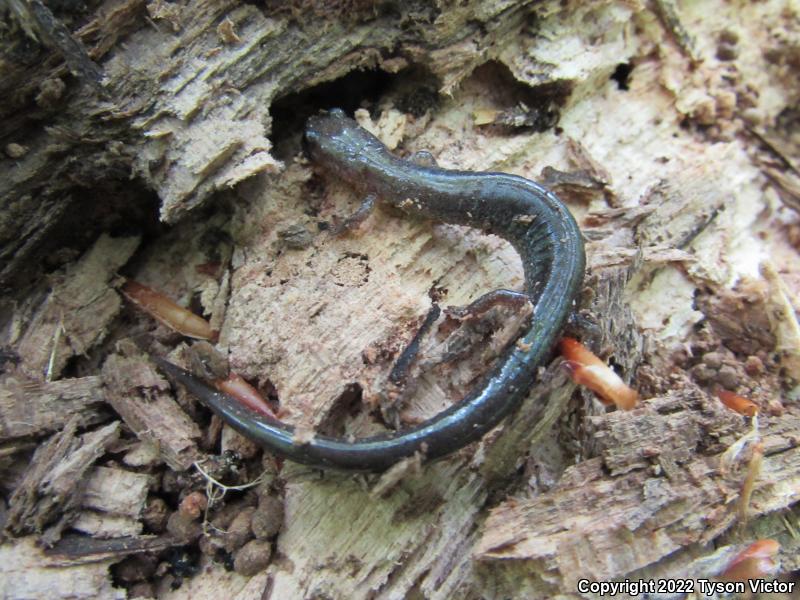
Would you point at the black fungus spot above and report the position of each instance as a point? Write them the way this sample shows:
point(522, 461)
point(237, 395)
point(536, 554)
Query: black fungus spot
point(622, 75)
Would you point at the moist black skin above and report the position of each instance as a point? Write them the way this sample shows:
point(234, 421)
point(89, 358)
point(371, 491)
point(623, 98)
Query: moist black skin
point(529, 216)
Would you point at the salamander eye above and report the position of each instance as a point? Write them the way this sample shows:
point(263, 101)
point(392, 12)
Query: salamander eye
point(306, 142)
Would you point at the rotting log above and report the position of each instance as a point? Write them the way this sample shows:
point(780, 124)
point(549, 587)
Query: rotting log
point(667, 128)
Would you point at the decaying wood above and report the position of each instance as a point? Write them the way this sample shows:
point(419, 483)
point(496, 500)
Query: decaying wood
point(184, 150)
point(602, 528)
point(667, 127)
point(102, 526)
point(73, 550)
point(116, 491)
point(33, 407)
point(113, 502)
point(26, 572)
point(38, 21)
point(140, 396)
point(53, 488)
point(74, 316)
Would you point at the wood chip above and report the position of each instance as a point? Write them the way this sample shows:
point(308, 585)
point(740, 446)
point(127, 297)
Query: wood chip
point(79, 549)
point(74, 316)
point(104, 525)
point(27, 572)
point(33, 408)
point(116, 491)
point(53, 488)
point(141, 397)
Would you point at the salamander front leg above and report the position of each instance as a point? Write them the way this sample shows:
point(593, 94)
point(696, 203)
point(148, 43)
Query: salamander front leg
point(357, 218)
point(424, 158)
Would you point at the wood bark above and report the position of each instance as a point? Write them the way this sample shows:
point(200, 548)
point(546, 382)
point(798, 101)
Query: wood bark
point(670, 131)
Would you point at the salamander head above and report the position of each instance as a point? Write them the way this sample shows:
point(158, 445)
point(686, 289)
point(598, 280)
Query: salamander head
point(336, 141)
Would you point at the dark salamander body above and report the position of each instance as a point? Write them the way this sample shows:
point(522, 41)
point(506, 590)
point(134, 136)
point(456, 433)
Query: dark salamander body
point(530, 217)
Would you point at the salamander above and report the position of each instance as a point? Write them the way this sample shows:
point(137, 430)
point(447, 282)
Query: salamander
point(535, 222)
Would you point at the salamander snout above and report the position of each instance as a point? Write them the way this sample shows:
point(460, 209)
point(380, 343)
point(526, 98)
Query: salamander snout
point(333, 136)
point(331, 123)
point(327, 131)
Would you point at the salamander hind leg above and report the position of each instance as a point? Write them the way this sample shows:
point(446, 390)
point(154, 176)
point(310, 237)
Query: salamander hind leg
point(516, 301)
point(489, 300)
point(402, 365)
point(585, 326)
